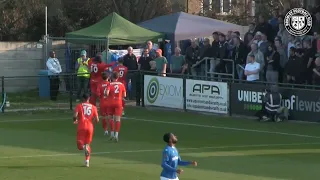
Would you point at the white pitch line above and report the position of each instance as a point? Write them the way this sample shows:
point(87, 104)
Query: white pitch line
point(159, 150)
point(178, 123)
point(226, 128)
point(183, 124)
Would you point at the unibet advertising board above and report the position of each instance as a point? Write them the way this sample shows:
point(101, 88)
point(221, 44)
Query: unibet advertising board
point(163, 91)
point(303, 104)
point(207, 96)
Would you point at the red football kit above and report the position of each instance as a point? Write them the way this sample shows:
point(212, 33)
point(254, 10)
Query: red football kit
point(104, 101)
point(122, 70)
point(102, 94)
point(96, 70)
point(116, 93)
point(86, 113)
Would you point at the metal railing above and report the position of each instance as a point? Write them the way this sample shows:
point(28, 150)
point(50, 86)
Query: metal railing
point(31, 93)
point(25, 93)
point(213, 63)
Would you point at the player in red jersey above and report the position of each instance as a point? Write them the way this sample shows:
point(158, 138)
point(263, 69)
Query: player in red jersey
point(83, 116)
point(104, 100)
point(117, 92)
point(97, 67)
point(122, 70)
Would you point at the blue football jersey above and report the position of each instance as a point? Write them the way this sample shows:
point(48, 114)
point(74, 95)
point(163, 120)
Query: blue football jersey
point(168, 52)
point(170, 162)
point(115, 57)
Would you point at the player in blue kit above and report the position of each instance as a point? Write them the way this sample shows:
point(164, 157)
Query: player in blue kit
point(171, 159)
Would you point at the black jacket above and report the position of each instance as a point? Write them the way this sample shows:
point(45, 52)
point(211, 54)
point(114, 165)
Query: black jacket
point(192, 55)
point(130, 62)
point(275, 64)
point(145, 63)
point(223, 50)
point(215, 49)
point(239, 54)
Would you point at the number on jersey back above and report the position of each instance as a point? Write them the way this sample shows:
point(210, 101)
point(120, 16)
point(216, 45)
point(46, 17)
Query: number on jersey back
point(94, 68)
point(86, 112)
point(122, 70)
point(117, 91)
point(121, 73)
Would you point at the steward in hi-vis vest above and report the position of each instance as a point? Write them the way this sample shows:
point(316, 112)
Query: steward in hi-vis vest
point(83, 73)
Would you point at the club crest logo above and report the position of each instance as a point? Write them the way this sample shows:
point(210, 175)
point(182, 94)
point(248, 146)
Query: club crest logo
point(298, 22)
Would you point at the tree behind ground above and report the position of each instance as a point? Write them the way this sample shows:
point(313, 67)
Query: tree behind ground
point(24, 20)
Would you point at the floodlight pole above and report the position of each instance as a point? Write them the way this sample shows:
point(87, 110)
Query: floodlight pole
point(46, 34)
point(187, 4)
point(46, 21)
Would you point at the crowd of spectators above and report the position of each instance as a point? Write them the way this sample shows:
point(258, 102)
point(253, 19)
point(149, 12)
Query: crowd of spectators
point(266, 53)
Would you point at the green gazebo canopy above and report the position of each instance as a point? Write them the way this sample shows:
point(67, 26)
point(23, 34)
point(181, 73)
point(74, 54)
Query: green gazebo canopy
point(115, 30)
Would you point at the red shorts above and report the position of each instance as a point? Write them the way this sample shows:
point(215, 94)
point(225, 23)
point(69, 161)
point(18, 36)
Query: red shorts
point(93, 87)
point(103, 109)
point(85, 135)
point(115, 109)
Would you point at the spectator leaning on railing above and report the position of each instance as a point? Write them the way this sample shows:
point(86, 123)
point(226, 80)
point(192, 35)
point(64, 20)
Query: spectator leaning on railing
point(215, 44)
point(161, 63)
point(54, 69)
point(273, 64)
point(192, 56)
point(214, 51)
point(178, 63)
point(205, 51)
point(223, 66)
point(259, 57)
point(252, 69)
point(292, 68)
point(144, 60)
point(83, 74)
point(239, 54)
point(130, 61)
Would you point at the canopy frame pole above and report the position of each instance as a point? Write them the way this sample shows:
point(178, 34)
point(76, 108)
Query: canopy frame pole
point(107, 48)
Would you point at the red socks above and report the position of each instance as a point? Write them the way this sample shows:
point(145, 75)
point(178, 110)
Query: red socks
point(118, 125)
point(80, 147)
point(104, 124)
point(123, 103)
point(111, 124)
point(88, 157)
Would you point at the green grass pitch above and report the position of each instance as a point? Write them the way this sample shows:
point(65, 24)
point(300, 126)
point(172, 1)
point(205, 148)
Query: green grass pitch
point(41, 146)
